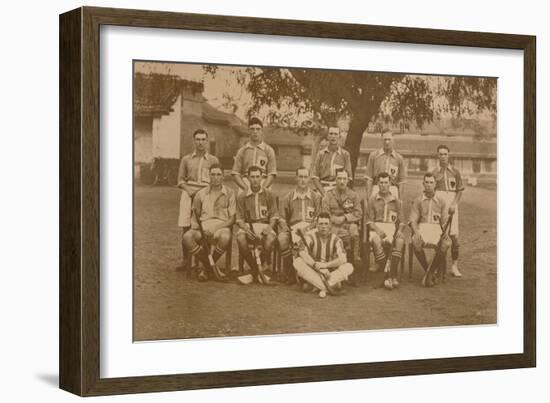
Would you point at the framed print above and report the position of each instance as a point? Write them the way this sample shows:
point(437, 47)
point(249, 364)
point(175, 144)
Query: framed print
point(250, 201)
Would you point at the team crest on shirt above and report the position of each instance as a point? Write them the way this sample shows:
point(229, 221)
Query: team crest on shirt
point(348, 204)
point(436, 217)
point(452, 183)
point(263, 211)
point(393, 216)
point(309, 212)
point(262, 162)
point(393, 170)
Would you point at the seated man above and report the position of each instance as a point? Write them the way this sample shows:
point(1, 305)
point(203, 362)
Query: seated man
point(344, 207)
point(386, 224)
point(215, 206)
point(298, 209)
point(429, 214)
point(256, 217)
point(322, 261)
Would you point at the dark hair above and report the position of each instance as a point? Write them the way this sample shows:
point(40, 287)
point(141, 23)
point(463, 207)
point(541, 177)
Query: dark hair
point(302, 167)
point(255, 121)
point(254, 168)
point(323, 214)
point(200, 131)
point(428, 175)
point(215, 166)
point(341, 170)
point(386, 130)
point(383, 175)
point(439, 147)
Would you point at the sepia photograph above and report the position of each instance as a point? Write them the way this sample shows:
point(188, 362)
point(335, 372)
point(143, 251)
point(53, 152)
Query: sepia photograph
point(273, 200)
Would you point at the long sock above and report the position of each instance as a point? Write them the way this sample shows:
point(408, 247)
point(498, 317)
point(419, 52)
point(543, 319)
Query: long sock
point(217, 253)
point(454, 251)
point(395, 259)
point(421, 256)
point(287, 263)
point(249, 259)
point(379, 259)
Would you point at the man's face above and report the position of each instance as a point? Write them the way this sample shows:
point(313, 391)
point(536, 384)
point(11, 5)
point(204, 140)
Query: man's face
point(255, 178)
point(255, 131)
point(443, 154)
point(387, 141)
point(333, 135)
point(323, 226)
point(216, 177)
point(342, 180)
point(384, 185)
point(302, 177)
point(429, 184)
point(201, 141)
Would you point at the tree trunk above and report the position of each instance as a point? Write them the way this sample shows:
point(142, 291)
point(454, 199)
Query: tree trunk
point(357, 127)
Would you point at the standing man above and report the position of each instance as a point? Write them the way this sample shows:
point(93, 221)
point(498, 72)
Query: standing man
point(344, 207)
point(255, 153)
point(216, 207)
point(449, 186)
point(297, 211)
point(259, 205)
point(385, 218)
point(328, 161)
point(429, 214)
point(193, 175)
point(387, 160)
point(322, 260)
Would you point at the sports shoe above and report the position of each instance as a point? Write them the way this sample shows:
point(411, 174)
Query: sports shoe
point(395, 283)
point(245, 279)
point(322, 294)
point(454, 270)
point(388, 284)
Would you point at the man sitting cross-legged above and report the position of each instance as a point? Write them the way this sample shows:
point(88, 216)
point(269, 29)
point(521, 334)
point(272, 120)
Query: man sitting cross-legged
point(322, 260)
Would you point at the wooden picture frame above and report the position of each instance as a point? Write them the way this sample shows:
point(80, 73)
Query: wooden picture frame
point(79, 346)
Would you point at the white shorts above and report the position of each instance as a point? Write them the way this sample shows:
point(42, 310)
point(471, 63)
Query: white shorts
point(449, 197)
point(387, 227)
point(430, 233)
point(394, 190)
point(258, 228)
point(184, 218)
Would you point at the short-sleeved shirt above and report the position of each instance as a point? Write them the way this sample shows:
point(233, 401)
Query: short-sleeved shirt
point(219, 205)
point(327, 162)
point(300, 207)
point(431, 210)
point(448, 179)
point(261, 206)
point(345, 204)
point(194, 170)
point(324, 250)
point(261, 155)
point(384, 209)
point(392, 163)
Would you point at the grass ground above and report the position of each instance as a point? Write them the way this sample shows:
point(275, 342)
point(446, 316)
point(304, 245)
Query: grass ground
point(168, 305)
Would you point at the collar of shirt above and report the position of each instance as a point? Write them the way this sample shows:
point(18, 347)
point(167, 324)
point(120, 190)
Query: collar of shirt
point(224, 190)
point(380, 197)
point(261, 146)
point(297, 195)
point(326, 150)
point(195, 154)
point(250, 192)
point(434, 197)
point(381, 152)
point(449, 168)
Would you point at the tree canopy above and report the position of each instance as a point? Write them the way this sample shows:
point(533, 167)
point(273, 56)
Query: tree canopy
point(293, 97)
